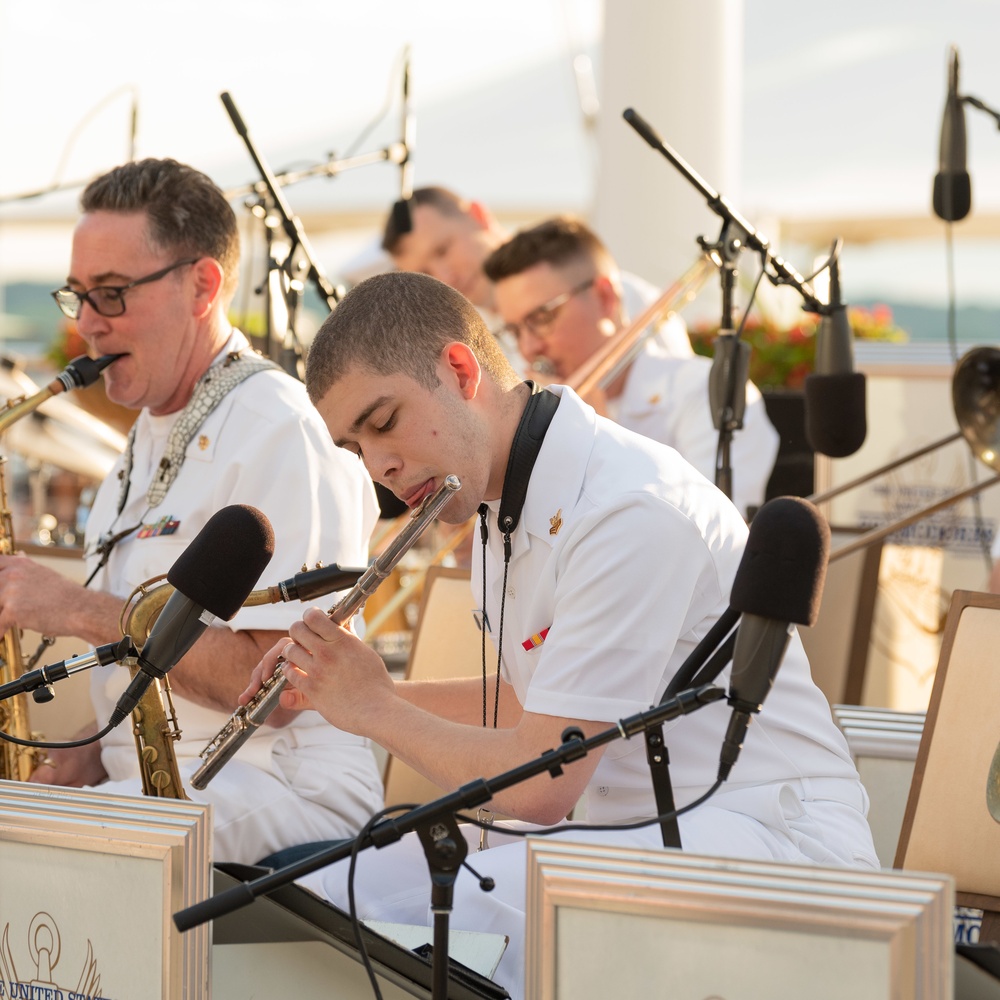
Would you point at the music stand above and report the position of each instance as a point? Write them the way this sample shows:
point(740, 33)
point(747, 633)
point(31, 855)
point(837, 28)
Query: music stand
point(952, 819)
point(293, 914)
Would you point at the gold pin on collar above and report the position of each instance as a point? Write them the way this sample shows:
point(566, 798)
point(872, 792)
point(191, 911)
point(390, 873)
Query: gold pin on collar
point(203, 441)
point(555, 522)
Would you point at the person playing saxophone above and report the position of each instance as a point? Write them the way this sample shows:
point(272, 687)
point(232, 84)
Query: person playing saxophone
point(154, 267)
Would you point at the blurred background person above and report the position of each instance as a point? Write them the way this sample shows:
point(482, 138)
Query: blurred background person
point(559, 292)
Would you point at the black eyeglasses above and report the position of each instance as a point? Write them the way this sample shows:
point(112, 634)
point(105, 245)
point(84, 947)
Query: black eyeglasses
point(541, 318)
point(107, 300)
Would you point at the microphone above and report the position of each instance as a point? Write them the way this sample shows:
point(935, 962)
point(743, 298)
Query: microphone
point(836, 424)
point(40, 681)
point(952, 196)
point(212, 578)
point(779, 582)
point(402, 214)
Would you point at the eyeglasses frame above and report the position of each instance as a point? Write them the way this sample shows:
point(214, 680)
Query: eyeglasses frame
point(119, 291)
point(546, 313)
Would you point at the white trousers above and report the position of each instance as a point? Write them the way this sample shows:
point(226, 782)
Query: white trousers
point(254, 813)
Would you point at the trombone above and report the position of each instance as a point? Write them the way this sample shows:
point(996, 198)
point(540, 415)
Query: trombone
point(975, 395)
point(620, 350)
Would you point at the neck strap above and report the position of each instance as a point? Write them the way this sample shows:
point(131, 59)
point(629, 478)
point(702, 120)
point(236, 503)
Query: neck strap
point(209, 391)
point(528, 438)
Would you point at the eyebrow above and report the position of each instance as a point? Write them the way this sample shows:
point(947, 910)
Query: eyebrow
point(100, 279)
point(363, 417)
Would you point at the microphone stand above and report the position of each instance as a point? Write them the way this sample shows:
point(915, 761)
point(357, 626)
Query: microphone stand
point(730, 360)
point(727, 386)
point(283, 283)
point(437, 827)
point(286, 285)
point(39, 682)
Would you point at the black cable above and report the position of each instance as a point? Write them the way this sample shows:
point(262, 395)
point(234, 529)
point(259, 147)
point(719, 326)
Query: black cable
point(352, 905)
point(952, 334)
point(369, 128)
point(551, 831)
point(540, 832)
point(753, 295)
point(56, 746)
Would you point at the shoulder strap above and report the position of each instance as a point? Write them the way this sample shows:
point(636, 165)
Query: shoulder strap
point(209, 391)
point(528, 438)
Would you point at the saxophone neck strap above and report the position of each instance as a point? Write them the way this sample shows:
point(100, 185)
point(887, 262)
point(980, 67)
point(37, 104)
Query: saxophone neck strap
point(209, 392)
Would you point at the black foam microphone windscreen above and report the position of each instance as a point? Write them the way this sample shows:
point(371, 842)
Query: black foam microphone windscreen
point(225, 559)
point(836, 419)
point(779, 581)
point(784, 563)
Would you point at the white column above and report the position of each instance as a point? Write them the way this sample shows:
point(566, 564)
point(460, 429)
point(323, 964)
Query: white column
point(679, 64)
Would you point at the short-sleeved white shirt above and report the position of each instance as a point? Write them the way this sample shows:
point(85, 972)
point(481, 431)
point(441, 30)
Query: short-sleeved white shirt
point(264, 445)
point(629, 555)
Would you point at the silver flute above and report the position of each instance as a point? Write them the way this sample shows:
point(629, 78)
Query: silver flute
point(247, 718)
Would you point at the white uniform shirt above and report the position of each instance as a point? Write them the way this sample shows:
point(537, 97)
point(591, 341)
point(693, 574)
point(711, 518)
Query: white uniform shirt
point(264, 445)
point(629, 555)
point(666, 398)
point(612, 519)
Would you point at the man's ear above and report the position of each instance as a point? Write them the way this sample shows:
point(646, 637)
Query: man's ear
point(460, 367)
point(481, 215)
point(208, 281)
point(608, 296)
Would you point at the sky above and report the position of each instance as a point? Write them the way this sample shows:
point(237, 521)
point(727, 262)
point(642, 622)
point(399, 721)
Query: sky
point(840, 111)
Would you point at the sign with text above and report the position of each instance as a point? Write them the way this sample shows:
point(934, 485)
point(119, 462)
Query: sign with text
point(88, 886)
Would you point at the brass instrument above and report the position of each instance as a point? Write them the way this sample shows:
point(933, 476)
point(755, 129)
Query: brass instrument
point(17, 762)
point(975, 392)
point(154, 721)
point(608, 362)
point(249, 717)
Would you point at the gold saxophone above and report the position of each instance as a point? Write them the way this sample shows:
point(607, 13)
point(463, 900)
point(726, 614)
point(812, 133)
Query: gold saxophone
point(154, 721)
point(17, 762)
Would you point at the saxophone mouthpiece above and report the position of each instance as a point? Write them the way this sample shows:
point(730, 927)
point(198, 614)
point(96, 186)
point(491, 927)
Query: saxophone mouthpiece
point(83, 371)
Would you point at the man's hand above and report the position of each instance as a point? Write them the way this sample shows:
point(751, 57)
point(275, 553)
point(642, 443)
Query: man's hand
point(73, 767)
point(35, 597)
point(329, 669)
